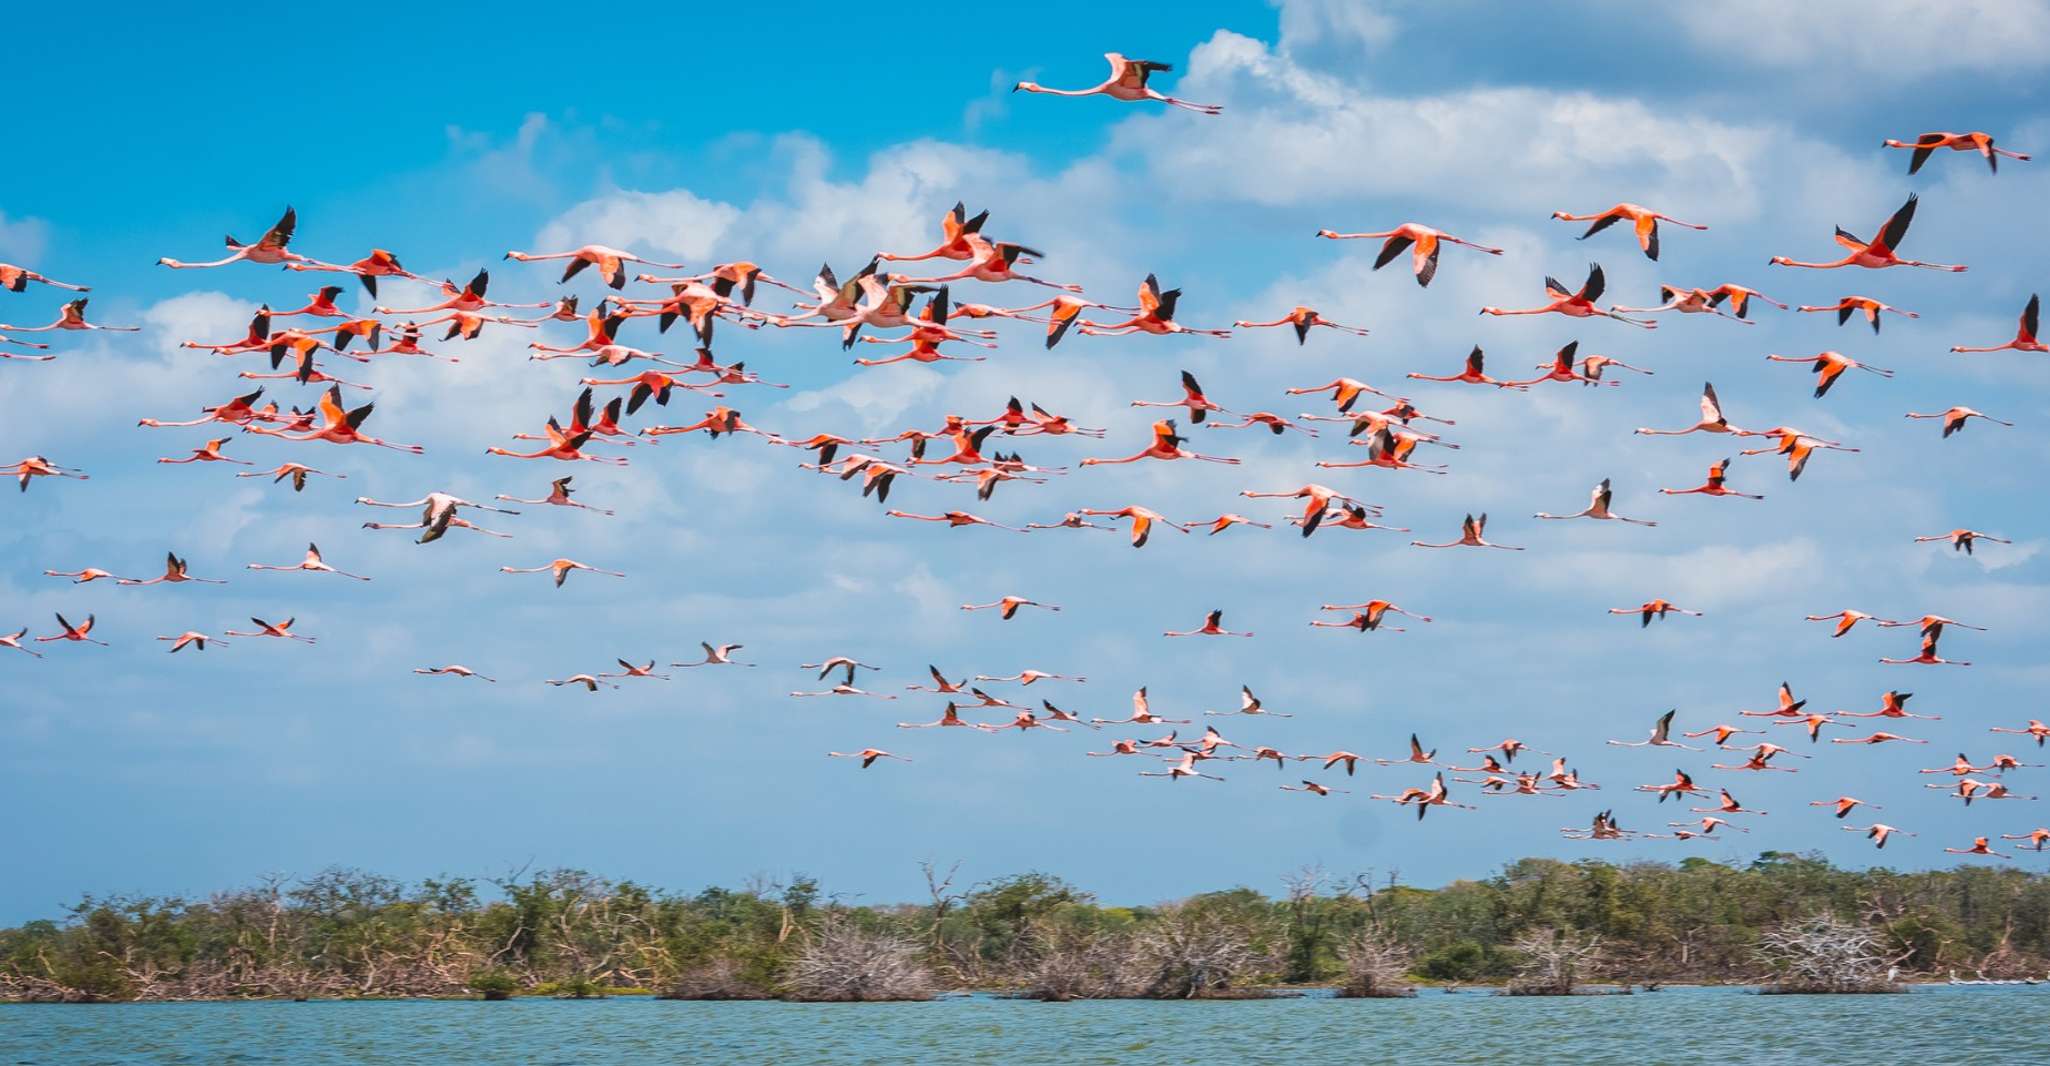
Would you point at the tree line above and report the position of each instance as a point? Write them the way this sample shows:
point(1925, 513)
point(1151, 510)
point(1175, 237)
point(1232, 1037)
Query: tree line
point(1539, 925)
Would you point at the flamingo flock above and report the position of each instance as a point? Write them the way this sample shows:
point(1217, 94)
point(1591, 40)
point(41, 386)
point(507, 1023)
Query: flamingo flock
point(986, 455)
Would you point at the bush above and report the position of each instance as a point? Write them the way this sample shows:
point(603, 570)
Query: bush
point(1554, 961)
point(719, 979)
point(1461, 961)
point(846, 964)
point(1192, 951)
point(493, 984)
point(1376, 966)
point(1823, 954)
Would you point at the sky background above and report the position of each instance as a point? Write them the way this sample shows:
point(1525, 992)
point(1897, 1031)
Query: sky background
point(823, 137)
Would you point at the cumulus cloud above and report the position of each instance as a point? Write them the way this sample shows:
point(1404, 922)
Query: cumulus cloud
point(1893, 39)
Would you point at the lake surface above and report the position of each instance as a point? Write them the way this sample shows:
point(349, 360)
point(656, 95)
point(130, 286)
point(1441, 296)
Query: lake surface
point(1939, 1024)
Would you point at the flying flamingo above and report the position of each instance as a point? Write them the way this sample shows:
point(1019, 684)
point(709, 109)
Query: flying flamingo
point(1798, 448)
point(1598, 508)
point(1651, 609)
point(15, 279)
point(1954, 419)
point(1155, 316)
point(1009, 606)
point(2037, 838)
point(1850, 305)
point(36, 466)
point(1979, 847)
point(958, 233)
point(296, 471)
point(1143, 521)
point(1722, 733)
point(1472, 534)
point(1142, 714)
point(174, 573)
point(281, 630)
point(1739, 298)
point(1893, 704)
point(341, 425)
point(2036, 728)
point(1472, 374)
point(1962, 539)
point(1877, 254)
point(451, 670)
point(80, 577)
point(1878, 737)
point(1028, 676)
point(1661, 735)
point(1373, 612)
point(1426, 798)
point(1423, 242)
point(269, 250)
point(312, 563)
point(13, 640)
point(72, 317)
point(1302, 320)
point(467, 298)
point(1344, 392)
point(1927, 656)
point(1588, 371)
point(590, 683)
point(1712, 419)
point(1313, 787)
point(1829, 366)
point(378, 264)
point(1643, 219)
point(1975, 141)
point(951, 717)
point(844, 690)
point(611, 262)
point(1127, 83)
point(1573, 304)
point(1166, 447)
point(1184, 768)
point(1844, 620)
point(210, 452)
point(1876, 832)
point(628, 669)
point(1192, 398)
point(1680, 785)
point(1687, 302)
point(558, 495)
point(74, 633)
point(1713, 486)
point(560, 568)
point(2024, 334)
point(953, 519)
point(1212, 627)
point(193, 638)
point(720, 655)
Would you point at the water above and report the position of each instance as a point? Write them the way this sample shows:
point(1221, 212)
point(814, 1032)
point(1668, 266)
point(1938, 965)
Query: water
point(1940, 1024)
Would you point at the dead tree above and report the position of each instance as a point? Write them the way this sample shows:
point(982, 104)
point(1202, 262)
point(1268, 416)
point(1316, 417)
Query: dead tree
point(1824, 954)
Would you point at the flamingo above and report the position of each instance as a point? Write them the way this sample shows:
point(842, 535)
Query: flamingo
point(1302, 320)
point(628, 669)
point(1712, 419)
point(953, 519)
point(1143, 520)
point(1580, 304)
point(2036, 728)
point(296, 471)
point(1643, 219)
point(1426, 798)
point(378, 264)
point(1184, 768)
point(1009, 606)
point(77, 634)
point(1739, 298)
point(1248, 704)
point(1588, 371)
point(1472, 534)
point(1226, 521)
point(1877, 254)
point(269, 250)
point(1654, 608)
point(1026, 677)
point(1829, 366)
point(1722, 733)
point(1344, 392)
point(80, 577)
point(451, 670)
point(1369, 615)
point(1416, 755)
point(844, 690)
point(1979, 847)
point(1424, 244)
point(590, 683)
point(467, 298)
point(1680, 785)
point(1927, 656)
point(1798, 448)
point(1844, 805)
point(1213, 626)
point(1598, 508)
point(1155, 316)
point(1976, 141)
point(1850, 305)
point(1313, 788)
point(1687, 302)
point(1127, 82)
point(1472, 374)
point(341, 425)
point(1193, 399)
point(1166, 447)
point(719, 655)
point(958, 234)
point(951, 717)
point(13, 640)
point(1954, 419)
point(35, 466)
point(1844, 620)
point(558, 496)
point(312, 563)
point(192, 638)
point(560, 568)
point(611, 262)
point(2037, 838)
point(1877, 832)
point(1878, 737)
point(1713, 486)
point(2024, 334)
point(71, 317)
point(1142, 714)
point(174, 573)
point(281, 630)
point(16, 278)
point(1661, 735)
point(1962, 539)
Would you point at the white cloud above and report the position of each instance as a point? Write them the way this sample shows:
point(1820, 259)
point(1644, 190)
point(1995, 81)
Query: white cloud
point(1895, 38)
point(22, 240)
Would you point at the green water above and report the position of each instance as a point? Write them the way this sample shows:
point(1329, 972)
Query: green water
point(1930, 1025)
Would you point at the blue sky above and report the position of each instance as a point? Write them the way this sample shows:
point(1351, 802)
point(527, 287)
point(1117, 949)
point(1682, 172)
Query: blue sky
point(709, 141)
